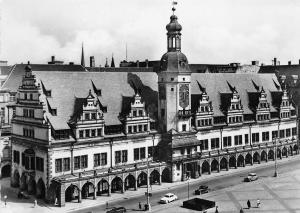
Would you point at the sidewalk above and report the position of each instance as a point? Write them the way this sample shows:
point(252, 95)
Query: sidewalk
point(13, 204)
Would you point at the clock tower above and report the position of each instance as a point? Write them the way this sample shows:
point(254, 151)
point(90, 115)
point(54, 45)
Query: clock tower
point(174, 79)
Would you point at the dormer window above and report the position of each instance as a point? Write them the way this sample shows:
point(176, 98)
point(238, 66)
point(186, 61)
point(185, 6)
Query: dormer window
point(87, 116)
point(93, 116)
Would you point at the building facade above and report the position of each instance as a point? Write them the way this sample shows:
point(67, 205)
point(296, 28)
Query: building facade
point(83, 134)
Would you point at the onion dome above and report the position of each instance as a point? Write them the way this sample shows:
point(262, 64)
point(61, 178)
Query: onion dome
point(173, 26)
point(174, 62)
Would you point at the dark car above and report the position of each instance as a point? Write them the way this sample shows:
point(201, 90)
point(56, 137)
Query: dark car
point(201, 190)
point(117, 210)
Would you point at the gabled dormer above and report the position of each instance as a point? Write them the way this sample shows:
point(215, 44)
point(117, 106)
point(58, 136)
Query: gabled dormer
point(263, 107)
point(88, 121)
point(285, 107)
point(204, 113)
point(235, 109)
point(137, 120)
point(29, 90)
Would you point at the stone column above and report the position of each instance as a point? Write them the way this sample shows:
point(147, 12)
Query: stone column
point(62, 199)
point(95, 193)
point(159, 181)
point(109, 190)
point(209, 169)
point(183, 175)
point(79, 196)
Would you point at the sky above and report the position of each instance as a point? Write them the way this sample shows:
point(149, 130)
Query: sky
point(214, 31)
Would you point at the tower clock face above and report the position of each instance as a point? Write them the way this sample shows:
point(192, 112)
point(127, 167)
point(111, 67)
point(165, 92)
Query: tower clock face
point(184, 95)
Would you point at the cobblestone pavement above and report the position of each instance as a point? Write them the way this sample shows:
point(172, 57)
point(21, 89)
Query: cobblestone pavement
point(280, 194)
point(277, 195)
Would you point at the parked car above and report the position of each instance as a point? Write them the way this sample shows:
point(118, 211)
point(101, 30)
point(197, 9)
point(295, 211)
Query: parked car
point(251, 177)
point(117, 210)
point(167, 198)
point(201, 190)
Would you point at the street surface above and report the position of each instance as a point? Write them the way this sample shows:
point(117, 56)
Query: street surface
point(218, 183)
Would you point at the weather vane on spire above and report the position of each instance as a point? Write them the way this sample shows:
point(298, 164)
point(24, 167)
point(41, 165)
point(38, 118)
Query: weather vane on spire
point(173, 8)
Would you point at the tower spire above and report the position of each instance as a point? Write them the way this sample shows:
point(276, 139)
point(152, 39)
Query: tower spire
point(82, 56)
point(106, 63)
point(112, 61)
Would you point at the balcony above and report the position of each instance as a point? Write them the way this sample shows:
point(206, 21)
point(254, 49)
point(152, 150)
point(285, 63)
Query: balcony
point(183, 114)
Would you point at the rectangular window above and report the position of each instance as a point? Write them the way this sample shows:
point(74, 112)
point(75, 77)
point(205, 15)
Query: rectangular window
point(84, 161)
point(288, 133)
point(16, 157)
point(255, 137)
point(87, 133)
point(87, 116)
point(274, 134)
point(80, 133)
point(140, 113)
point(66, 164)
point(23, 159)
point(103, 159)
point(294, 131)
point(25, 112)
point(183, 127)
point(58, 165)
point(281, 133)
point(238, 140)
point(162, 112)
point(246, 139)
point(93, 116)
point(204, 144)
point(99, 132)
point(143, 153)
point(124, 156)
point(140, 128)
point(227, 141)
point(93, 133)
point(215, 143)
point(265, 136)
point(134, 129)
point(145, 127)
point(76, 162)
point(150, 151)
point(117, 156)
point(129, 129)
point(96, 160)
point(39, 164)
point(134, 113)
point(136, 154)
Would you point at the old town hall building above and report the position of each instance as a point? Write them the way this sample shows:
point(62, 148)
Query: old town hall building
point(85, 134)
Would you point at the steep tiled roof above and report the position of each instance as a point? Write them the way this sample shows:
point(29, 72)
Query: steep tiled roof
point(17, 72)
point(67, 88)
point(217, 84)
point(116, 89)
point(5, 70)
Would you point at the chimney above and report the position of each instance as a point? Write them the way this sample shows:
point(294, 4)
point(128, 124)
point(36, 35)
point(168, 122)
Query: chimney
point(289, 63)
point(295, 79)
point(53, 58)
point(92, 61)
point(147, 63)
point(137, 63)
point(256, 63)
point(275, 61)
point(71, 63)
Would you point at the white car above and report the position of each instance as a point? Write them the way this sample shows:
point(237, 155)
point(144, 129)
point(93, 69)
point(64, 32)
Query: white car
point(167, 198)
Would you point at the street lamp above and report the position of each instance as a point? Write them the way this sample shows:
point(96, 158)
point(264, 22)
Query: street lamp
point(275, 173)
point(148, 181)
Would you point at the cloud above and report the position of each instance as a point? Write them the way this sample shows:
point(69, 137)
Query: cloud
point(214, 31)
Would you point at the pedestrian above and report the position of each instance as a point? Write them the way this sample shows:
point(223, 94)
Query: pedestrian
point(35, 203)
point(258, 203)
point(55, 202)
point(248, 204)
point(140, 206)
point(241, 210)
point(106, 205)
point(217, 211)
